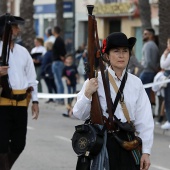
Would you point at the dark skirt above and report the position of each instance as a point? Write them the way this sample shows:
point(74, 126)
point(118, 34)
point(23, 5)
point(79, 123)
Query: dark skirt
point(119, 158)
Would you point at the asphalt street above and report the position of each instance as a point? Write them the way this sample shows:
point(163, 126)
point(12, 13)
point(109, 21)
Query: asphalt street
point(49, 142)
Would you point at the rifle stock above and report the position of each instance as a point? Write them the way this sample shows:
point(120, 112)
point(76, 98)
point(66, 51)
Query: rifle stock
point(4, 81)
point(96, 111)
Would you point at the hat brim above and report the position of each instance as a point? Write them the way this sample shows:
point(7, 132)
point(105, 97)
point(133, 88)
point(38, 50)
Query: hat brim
point(11, 19)
point(131, 43)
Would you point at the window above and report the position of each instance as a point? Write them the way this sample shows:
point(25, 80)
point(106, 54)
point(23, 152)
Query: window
point(112, 1)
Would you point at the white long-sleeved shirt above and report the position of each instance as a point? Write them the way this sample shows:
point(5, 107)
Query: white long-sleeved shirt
point(39, 49)
point(21, 70)
point(165, 62)
point(137, 103)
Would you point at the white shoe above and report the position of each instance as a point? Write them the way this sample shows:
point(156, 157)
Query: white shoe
point(166, 125)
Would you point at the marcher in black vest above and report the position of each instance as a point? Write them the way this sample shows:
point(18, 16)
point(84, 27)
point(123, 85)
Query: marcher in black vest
point(117, 48)
point(59, 52)
point(22, 84)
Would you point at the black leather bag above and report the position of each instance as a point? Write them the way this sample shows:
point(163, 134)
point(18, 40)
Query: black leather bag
point(88, 140)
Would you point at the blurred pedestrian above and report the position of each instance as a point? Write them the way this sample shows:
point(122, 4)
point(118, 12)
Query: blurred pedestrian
point(46, 70)
point(59, 52)
point(50, 36)
point(150, 59)
point(165, 64)
point(69, 112)
point(37, 53)
point(82, 63)
point(70, 74)
point(13, 106)
point(134, 65)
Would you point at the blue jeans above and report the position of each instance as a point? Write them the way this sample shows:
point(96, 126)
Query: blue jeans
point(167, 98)
point(57, 69)
point(38, 72)
point(147, 77)
point(50, 85)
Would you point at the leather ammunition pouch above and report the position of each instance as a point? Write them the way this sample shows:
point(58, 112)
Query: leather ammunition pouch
point(131, 143)
point(87, 140)
point(128, 127)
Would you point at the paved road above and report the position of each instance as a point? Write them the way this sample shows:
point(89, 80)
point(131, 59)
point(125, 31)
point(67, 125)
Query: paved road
point(49, 145)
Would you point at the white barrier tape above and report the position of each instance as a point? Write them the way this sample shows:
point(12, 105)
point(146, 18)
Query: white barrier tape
point(55, 96)
point(61, 96)
point(157, 83)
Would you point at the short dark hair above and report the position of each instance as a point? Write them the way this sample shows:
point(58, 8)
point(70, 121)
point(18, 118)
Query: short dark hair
point(48, 31)
point(151, 30)
point(57, 29)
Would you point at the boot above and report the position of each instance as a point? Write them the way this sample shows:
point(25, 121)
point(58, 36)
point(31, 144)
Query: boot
point(12, 157)
point(4, 162)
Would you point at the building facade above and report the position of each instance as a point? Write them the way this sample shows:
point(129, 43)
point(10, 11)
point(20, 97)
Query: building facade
point(111, 15)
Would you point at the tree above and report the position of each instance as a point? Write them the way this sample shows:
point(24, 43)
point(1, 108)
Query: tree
point(145, 13)
point(28, 32)
point(59, 15)
point(3, 6)
point(164, 24)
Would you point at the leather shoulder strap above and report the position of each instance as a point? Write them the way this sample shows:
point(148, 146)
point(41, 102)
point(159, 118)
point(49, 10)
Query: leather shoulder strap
point(124, 108)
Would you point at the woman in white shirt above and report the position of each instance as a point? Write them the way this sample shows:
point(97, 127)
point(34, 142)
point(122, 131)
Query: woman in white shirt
point(118, 48)
point(165, 64)
point(37, 54)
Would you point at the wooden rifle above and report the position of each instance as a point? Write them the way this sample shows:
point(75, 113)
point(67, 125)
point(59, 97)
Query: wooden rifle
point(96, 111)
point(4, 80)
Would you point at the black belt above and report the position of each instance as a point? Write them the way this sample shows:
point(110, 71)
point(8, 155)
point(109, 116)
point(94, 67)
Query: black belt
point(19, 97)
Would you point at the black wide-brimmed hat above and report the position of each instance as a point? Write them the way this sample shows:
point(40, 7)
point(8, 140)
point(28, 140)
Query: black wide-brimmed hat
point(118, 39)
point(10, 19)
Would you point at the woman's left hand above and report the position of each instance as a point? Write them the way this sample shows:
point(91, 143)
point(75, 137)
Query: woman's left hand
point(35, 111)
point(145, 162)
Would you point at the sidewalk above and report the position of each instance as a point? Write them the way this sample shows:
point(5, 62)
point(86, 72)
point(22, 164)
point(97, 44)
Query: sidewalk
point(158, 130)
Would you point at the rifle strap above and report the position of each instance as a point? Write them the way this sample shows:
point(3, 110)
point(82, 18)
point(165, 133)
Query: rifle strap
point(124, 108)
point(102, 68)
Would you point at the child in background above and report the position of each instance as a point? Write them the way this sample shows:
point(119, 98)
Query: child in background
point(70, 74)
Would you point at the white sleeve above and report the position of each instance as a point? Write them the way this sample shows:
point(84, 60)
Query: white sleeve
point(31, 76)
point(165, 62)
point(144, 120)
point(81, 109)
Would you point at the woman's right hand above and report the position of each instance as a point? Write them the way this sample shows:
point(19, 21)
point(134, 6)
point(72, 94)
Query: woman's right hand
point(3, 70)
point(91, 87)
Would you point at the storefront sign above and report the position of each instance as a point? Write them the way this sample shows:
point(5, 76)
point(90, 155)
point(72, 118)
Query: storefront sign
point(51, 8)
point(113, 8)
